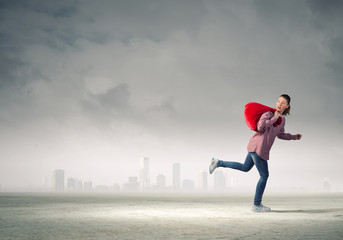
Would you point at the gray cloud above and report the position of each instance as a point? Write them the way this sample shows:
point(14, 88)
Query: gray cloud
point(104, 108)
point(9, 67)
point(164, 77)
point(166, 105)
point(115, 98)
point(327, 18)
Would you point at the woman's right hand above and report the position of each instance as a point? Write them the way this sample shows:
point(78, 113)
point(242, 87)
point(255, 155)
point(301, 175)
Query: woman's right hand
point(277, 114)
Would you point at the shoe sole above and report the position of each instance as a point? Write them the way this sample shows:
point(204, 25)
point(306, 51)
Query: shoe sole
point(209, 168)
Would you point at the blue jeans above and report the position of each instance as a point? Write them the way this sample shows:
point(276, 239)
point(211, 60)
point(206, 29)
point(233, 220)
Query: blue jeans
point(262, 167)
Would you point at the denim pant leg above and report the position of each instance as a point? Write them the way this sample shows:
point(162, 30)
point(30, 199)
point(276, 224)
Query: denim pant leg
point(248, 164)
point(262, 167)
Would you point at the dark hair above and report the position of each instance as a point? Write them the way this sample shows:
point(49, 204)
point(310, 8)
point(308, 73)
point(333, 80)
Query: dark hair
point(288, 98)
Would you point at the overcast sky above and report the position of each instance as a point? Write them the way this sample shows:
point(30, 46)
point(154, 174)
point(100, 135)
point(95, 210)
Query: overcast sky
point(92, 86)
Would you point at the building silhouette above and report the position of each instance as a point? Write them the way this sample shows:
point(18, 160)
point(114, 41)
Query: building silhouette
point(202, 181)
point(161, 181)
point(58, 180)
point(176, 176)
point(71, 183)
point(115, 188)
point(144, 173)
point(132, 185)
point(326, 185)
point(87, 186)
point(219, 181)
point(74, 184)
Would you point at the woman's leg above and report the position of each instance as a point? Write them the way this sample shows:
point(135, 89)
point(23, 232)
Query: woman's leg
point(262, 167)
point(248, 164)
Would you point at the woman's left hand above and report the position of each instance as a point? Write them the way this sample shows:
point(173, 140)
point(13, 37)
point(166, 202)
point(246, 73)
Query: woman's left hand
point(298, 136)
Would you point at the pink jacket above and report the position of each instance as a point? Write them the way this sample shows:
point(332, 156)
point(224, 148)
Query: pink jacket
point(263, 140)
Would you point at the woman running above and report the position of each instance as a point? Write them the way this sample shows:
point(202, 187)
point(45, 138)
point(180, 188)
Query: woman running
point(259, 146)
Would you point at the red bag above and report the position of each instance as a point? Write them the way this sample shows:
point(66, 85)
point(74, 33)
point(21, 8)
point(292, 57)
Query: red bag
point(253, 112)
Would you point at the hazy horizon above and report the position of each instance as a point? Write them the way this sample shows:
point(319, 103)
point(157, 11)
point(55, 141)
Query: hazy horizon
point(91, 87)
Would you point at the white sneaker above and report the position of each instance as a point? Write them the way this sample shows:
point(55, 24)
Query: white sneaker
point(213, 165)
point(260, 208)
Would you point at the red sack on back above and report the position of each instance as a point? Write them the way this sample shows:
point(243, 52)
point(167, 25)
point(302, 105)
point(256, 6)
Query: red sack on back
point(253, 112)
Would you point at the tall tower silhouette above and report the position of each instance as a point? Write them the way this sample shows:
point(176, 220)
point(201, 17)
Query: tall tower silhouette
point(144, 172)
point(176, 176)
point(58, 180)
point(219, 181)
point(203, 180)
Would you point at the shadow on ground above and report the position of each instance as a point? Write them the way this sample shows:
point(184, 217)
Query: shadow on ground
point(331, 210)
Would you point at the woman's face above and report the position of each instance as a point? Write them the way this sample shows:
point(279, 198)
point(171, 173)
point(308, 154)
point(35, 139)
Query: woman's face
point(281, 105)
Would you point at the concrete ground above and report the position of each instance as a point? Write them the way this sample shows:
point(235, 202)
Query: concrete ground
point(181, 216)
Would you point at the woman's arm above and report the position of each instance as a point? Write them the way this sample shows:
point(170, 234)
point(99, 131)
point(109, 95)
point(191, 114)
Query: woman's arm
point(287, 136)
point(266, 121)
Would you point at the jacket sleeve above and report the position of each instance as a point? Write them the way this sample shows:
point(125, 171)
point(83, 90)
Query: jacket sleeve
point(266, 121)
point(285, 136)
